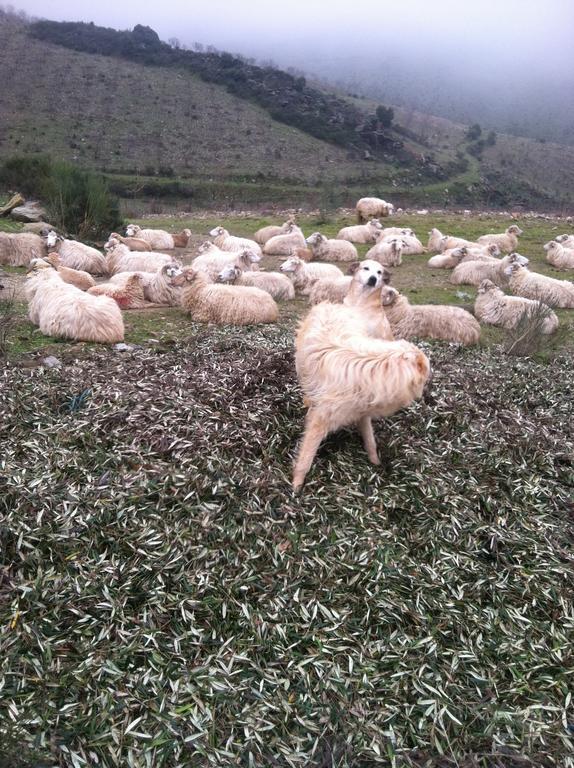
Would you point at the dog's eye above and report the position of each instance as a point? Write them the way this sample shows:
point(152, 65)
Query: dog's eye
point(379, 272)
point(366, 268)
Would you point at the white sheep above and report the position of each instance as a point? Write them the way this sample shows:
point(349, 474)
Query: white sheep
point(274, 283)
point(133, 243)
point(224, 304)
point(266, 233)
point(159, 238)
point(226, 242)
point(559, 255)
point(440, 243)
point(387, 252)
point(212, 261)
point(18, 249)
point(428, 320)
point(373, 208)
point(493, 307)
point(330, 289)
point(566, 240)
point(287, 244)
point(474, 272)
point(361, 233)
point(531, 285)
point(121, 259)
point(411, 245)
point(127, 295)
point(77, 255)
point(82, 280)
point(158, 287)
point(64, 311)
point(454, 256)
point(324, 249)
point(506, 241)
point(388, 233)
point(304, 273)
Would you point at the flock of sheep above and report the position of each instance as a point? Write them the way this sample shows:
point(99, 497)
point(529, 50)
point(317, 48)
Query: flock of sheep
point(224, 283)
point(351, 348)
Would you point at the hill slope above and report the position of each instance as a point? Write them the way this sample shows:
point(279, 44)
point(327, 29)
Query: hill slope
point(119, 116)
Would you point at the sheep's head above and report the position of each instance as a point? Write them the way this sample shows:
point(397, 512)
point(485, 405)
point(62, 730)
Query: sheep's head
point(443, 243)
point(514, 230)
point(52, 238)
point(370, 274)
point(229, 274)
point(493, 250)
point(186, 232)
point(513, 268)
point(389, 295)
point(205, 247)
point(459, 253)
point(408, 231)
point(171, 270)
point(550, 246)
point(217, 232)
point(315, 238)
point(132, 230)
point(292, 264)
point(375, 224)
point(186, 277)
point(111, 242)
point(516, 258)
point(487, 285)
point(249, 257)
point(562, 238)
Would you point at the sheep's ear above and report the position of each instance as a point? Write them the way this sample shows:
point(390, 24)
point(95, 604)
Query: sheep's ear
point(353, 267)
point(386, 276)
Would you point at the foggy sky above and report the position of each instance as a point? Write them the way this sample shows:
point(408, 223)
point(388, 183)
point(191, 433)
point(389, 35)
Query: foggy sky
point(487, 47)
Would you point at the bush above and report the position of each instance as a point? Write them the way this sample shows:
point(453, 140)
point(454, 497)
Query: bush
point(473, 132)
point(8, 317)
point(78, 202)
point(526, 338)
point(385, 115)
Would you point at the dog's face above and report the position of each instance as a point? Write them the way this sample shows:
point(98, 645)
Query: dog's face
point(370, 274)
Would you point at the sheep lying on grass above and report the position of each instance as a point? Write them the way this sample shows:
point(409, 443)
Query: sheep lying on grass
point(76, 255)
point(133, 243)
point(361, 233)
point(559, 255)
point(266, 233)
point(373, 208)
point(387, 252)
point(82, 280)
point(128, 295)
point(449, 259)
point(226, 242)
point(121, 259)
point(330, 289)
point(410, 244)
point(159, 238)
point(18, 249)
point(324, 249)
point(212, 261)
point(506, 241)
point(493, 307)
point(64, 311)
point(224, 304)
point(531, 285)
point(158, 287)
point(274, 283)
point(566, 240)
point(439, 243)
point(474, 272)
point(304, 273)
point(428, 321)
point(286, 244)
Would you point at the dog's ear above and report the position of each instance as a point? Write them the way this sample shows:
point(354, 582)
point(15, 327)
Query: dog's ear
point(353, 267)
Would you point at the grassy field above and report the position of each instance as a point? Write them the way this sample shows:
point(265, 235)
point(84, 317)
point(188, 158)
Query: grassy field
point(165, 600)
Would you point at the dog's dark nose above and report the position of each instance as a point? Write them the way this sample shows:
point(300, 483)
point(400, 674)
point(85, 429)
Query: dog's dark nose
point(372, 281)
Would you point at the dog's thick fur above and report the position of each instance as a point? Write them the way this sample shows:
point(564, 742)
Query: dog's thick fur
point(350, 370)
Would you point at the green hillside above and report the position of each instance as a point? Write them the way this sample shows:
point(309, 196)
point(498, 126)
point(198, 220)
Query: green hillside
point(163, 130)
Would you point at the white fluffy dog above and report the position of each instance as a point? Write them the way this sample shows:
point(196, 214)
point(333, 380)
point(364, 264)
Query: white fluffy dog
point(349, 369)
